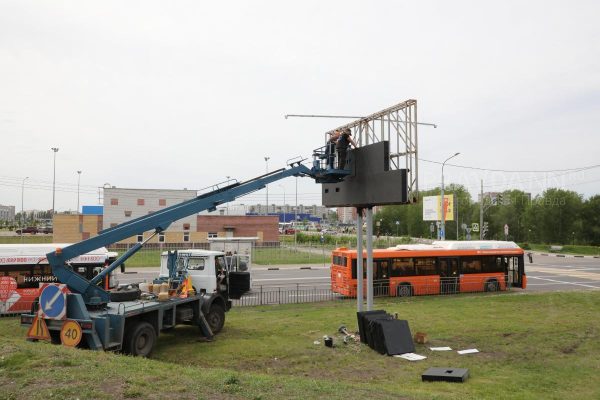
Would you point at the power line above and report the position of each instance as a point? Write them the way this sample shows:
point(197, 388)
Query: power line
point(514, 171)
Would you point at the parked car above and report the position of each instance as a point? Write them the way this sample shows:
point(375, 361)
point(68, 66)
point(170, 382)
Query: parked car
point(289, 231)
point(46, 230)
point(30, 229)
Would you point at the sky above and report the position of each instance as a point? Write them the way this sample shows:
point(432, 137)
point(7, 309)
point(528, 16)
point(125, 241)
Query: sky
point(172, 95)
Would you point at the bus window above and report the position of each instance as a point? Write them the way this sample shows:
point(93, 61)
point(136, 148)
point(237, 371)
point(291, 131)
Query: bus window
point(354, 268)
point(470, 265)
point(490, 264)
point(425, 266)
point(381, 269)
point(402, 267)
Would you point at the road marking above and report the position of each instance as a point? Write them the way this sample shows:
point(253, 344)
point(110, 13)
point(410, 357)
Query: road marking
point(562, 282)
point(593, 276)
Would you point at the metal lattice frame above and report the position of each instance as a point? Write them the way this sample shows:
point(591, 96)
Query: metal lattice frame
point(398, 125)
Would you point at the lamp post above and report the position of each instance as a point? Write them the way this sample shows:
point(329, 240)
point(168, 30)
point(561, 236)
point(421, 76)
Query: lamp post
point(443, 224)
point(78, 181)
point(227, 183)
point(55, 150)
point(22, 212)
point(267, 186)
point(283, 208)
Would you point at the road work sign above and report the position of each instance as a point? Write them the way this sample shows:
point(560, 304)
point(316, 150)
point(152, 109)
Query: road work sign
point(38, 329)
point(53, 302)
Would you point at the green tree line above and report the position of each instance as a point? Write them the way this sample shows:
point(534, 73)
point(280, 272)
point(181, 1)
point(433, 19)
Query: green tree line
point(556, 216)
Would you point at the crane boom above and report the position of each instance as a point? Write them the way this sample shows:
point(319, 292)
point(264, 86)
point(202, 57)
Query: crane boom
point(158, 221)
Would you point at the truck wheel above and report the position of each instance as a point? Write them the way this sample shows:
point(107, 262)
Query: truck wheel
point(140, 339)
point(216, 318)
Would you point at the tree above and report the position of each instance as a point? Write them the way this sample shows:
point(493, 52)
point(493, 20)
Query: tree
point(590, 217)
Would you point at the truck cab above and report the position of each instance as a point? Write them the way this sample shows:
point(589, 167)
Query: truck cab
point(211, 277)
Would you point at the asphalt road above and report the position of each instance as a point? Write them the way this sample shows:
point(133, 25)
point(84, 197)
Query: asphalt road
point(551, 273)
point(546, 273)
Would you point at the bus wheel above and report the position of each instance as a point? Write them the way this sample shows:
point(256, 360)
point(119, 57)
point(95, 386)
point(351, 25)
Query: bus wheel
point(404, 290)
point(216, 318)
point(491, 286)
point(140, 339)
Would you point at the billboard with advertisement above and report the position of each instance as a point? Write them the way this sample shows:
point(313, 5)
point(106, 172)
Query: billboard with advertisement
point(432, 210)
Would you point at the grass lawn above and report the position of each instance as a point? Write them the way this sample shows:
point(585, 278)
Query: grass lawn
point(41, 238)
point(533, 346)
point(260, 256)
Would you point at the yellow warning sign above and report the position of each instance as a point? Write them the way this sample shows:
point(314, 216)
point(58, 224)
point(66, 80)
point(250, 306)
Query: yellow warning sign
point(38, 329)
point(70, 334)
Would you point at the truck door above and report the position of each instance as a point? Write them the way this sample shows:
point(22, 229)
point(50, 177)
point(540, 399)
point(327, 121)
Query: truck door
point(239, 276)
point(449, 278)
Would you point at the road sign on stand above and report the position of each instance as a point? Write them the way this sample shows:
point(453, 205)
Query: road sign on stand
point(38, 329)
point(70, 334)
point(53, 302)
point(506, 231)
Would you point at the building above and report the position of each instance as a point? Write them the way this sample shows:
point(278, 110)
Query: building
point(122, 205)
point(319, 212)
point(348, 215)
point(7, 213)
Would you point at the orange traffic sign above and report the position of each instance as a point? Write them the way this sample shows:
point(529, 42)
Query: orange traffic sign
point(70, 334)
point(38, 329)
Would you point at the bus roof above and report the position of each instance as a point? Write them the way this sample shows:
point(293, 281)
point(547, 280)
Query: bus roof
point(36, 253)
point(459, 245)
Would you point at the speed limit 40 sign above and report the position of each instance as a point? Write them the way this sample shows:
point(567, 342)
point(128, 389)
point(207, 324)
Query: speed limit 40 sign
point(70, 334)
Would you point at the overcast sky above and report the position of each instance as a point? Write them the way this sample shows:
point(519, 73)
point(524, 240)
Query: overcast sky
point(147, 94)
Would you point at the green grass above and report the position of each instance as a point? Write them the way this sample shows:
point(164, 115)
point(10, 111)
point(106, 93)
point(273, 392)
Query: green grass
point(26, 239)
point(568, 249)
point(260, 256)
point(532, 346)
point(270, 256)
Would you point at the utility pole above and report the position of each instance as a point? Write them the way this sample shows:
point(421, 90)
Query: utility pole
point(78, 181)
point(22, 212)
point(481, 213)
point(443, 223)
point(55, 150)
point(266, 186)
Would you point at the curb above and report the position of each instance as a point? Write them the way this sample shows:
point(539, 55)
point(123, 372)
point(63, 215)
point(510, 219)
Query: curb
point(565, 255)
point(286, 269)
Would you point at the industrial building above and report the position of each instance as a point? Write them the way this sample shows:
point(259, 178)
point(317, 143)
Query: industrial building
point(7, 213)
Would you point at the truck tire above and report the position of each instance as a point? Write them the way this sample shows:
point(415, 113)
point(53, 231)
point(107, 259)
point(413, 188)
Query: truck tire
point(216, 317)
point(125, 294)
point(139, 339)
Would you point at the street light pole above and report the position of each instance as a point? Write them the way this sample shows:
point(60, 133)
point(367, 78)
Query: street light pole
point(55, 150)
point(267, 186)
point(22, 212)
point(78, 181)
point(227, 183)
point(443, 224)
point(283, 208)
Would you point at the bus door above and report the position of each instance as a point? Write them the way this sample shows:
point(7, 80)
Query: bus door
point(514, 273)
point(449, 277)
point(381, 277)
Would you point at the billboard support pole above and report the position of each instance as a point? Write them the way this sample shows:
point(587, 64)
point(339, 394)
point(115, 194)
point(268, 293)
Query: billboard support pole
point(359, 260)
point(369, 258)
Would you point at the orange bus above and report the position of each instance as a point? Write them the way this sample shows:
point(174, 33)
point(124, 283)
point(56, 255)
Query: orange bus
point(442, 267)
